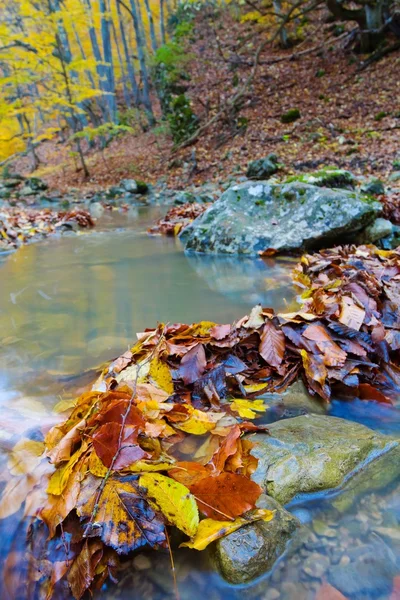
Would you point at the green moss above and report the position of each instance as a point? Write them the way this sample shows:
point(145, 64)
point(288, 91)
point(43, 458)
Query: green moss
point(380, 115)
point(328, 177)
point(291, 115)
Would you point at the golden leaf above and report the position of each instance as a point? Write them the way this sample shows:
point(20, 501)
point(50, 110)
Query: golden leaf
point(210, 530)
point(25, 456)
point(59, 479)
point(200, 422)
point(161, 375)
point(174, 500)
point(124, 519)
point(248, 409)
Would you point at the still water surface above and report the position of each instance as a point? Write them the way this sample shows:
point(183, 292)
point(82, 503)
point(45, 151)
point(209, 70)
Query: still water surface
point(69, 304)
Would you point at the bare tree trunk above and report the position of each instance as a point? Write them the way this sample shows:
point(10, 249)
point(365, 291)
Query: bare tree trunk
point(141, 47)
point(128, 58)
point(121, 64)
point(153, 38)
point(283, 33)
point(109, 84)
point(162, 23)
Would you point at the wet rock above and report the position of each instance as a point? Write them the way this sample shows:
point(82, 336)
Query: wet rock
point(36, 184)
point(322, 529)
point(129, 185)
point(26, 190)
point(392, 241)
point(11, 182)
point(252, 550)
point(254, 217)
point(380, 228)
point(380, 472)
point(375, 187)
point(311, 453)
point(263, 168)
point(295, 402)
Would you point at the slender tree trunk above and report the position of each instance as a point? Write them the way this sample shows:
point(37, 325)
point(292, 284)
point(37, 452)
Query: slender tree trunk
point(141, 47)
point(128, 58)
point(121, 64)
point(109, 83)
point(162, 23)
point(283, 33)
point(153, 38)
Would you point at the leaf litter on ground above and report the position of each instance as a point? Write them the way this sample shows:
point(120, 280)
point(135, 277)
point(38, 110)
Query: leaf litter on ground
point(159, 442)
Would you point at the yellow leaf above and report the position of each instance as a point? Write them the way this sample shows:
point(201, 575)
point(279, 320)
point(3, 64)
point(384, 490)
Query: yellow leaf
point(210, 530)
point(59, 479)
point(174, 500)
point(142, 466)
point(134, 373)
point(200, 422)
point(96, 467)
point(25, 456)
point(255, 387)
point(64, 405)
point(124, 518)
point(248, 409)
point(201, 329)
point(161, 375)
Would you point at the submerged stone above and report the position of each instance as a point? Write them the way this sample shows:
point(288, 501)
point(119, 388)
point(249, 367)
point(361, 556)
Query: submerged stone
point(254, 217)
point(253, 549)
point(312, 453)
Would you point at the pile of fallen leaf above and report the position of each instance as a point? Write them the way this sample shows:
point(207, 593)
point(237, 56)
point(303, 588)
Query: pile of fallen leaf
point(178, 217)
point(19, 226)
point(391, 207)
point(160, 439)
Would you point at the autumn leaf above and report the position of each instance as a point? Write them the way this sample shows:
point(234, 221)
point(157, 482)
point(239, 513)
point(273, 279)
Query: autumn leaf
point(248, 409)
point(25, 456)
point(125, 519)
point(210, 530)
point(62, 451)
point(117, 445)
point(334, 356)
point(314, 367)
point(272, 345)
point(83, 569)
point(173, 499)
point(219, 332)
point(59, 479)
point(351, 314)
point(161, 375)
point(256, 318)
point(193, 364)
point(200, 422)
point(188, 473)
point(227, 495)
point(227, 448)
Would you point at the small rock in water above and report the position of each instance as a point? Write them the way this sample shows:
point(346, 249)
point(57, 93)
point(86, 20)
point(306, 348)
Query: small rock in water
point(141, 562)
point(316, 565)
point(322, 529)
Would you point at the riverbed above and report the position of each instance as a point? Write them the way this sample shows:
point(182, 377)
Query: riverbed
point(69, 304)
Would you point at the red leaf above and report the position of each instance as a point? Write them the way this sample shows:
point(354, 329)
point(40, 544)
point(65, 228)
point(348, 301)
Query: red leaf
point(107, 444)
point(368, 392)
point(226, 496)
point(193, 364)
point(272, 346)
point(189, 473)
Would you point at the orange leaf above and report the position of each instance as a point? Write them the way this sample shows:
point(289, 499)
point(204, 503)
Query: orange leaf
point(226, 496)
point(272, 346)
point(189, 473)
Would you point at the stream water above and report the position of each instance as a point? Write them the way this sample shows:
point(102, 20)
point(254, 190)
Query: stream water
point(69, 304)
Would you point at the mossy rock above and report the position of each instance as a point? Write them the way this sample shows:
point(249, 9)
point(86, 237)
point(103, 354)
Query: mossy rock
point(253, 549)
point(263, 168)
point(330, 177)
point(294, 216)
point(312, 453)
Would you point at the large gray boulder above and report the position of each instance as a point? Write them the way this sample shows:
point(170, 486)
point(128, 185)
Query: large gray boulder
point(312, 453)
point(254, 217)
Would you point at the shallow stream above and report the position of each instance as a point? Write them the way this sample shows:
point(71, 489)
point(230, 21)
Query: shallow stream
point(69, 304)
